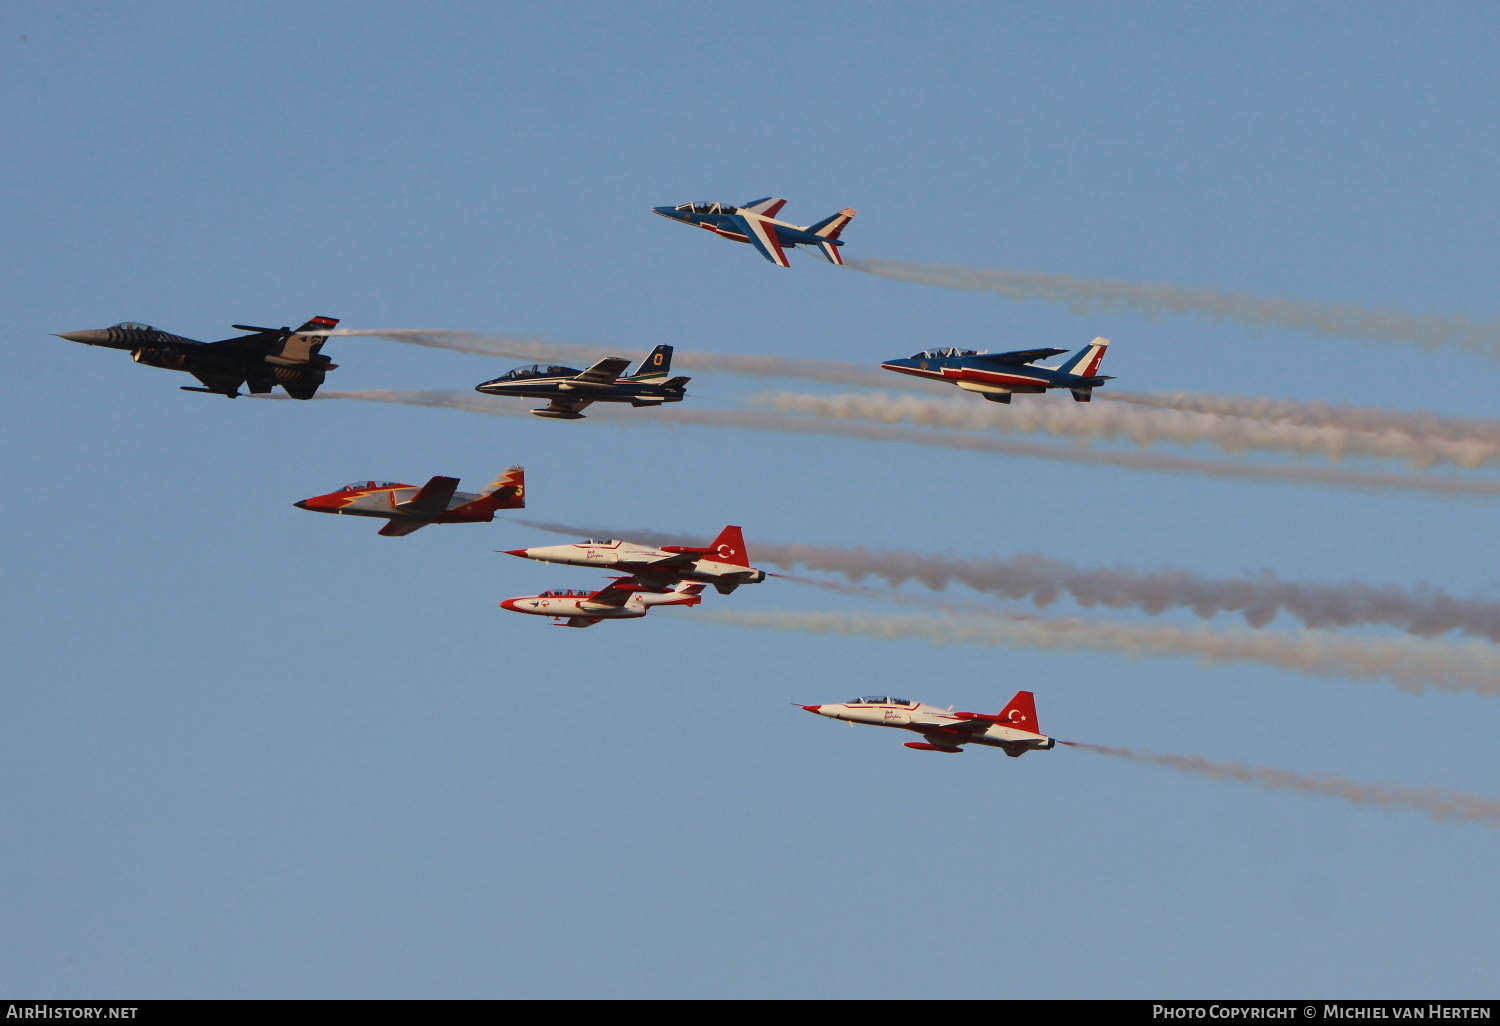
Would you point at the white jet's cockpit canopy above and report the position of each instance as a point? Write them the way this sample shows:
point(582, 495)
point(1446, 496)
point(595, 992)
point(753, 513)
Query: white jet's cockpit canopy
point(362, 486)
point(705, 207)
point(134, 326)
point(598, 541)
point(538, 370)
point(940, 354)
point(566, 593)
point(881, 700)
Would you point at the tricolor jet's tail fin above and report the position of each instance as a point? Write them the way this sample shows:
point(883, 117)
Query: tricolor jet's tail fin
point(655, 367)
point(1085, 362)
point(729, 547)
point(1021, 713)
point(829, 228)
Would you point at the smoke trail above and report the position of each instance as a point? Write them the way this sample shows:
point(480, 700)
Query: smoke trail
point(1425, 612)
point(524, 348)
point(794, 424)
point(1085, 295)
point(1439, 805)
point(1231, 434)
point(1411, 664)
point(1420, 424)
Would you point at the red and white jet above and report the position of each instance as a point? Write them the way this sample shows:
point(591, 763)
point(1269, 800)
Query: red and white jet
point(1014, 729)
point(722, 563)
point(409, 508)
point(622, 600)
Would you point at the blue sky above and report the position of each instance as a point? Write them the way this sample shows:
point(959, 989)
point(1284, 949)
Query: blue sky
point(254, 752)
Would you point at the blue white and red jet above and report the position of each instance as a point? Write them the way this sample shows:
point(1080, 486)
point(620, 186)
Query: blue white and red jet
point(624, 599)
point(997, 376)
point(756, 224)
point(1014, 729)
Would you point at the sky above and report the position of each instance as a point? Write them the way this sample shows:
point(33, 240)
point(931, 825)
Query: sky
point(253, 752)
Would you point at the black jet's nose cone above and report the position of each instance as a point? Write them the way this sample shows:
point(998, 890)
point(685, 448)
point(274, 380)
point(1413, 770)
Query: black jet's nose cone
point(88, 338)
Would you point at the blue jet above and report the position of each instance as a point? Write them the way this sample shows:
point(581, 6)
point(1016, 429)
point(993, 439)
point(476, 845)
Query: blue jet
point(756, 224)
point(571, 389)
point(996, 376)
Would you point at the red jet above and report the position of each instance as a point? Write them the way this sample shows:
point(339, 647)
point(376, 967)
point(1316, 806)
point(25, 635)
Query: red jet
point(409, 508)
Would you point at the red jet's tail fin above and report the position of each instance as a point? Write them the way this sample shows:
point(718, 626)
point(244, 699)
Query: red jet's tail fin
point(508, 491)
point(1021, 713)
point(729, 547)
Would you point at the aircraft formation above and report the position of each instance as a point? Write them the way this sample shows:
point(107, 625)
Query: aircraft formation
point(642, 577)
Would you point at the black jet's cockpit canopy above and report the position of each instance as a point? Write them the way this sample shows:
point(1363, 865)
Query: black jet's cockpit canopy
point(363, 486)
point(881, 700)
point(942, 354)
point(538, 370)
point(134, 326)
point(705, 207)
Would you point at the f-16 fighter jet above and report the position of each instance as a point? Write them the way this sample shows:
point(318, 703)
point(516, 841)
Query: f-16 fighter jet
point(995, 376)
point(723, 563)
point(409, 508)
point(262, 360)
point(1014, 729)
point(756, 224)
point(622, 600)
point(571, 389)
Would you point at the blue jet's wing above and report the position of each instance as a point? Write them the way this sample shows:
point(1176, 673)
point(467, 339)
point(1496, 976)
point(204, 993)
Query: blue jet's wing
point(763, 237)
point(1019, 357)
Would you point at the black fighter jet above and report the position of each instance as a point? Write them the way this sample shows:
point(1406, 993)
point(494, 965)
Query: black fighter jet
point(262, 360)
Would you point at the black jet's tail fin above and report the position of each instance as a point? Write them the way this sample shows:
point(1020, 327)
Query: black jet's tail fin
point(655, 367)
point(303, 344)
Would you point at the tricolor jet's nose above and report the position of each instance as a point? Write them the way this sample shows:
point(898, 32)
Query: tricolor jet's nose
point(667, 212)
point(88, 338)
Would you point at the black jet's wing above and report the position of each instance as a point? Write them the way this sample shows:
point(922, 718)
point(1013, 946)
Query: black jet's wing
point(398, 528)
point(224, 384)
point(567, 409)
point(605, 372)
point(433, 497)
point(1020, 356)
point(263, 341)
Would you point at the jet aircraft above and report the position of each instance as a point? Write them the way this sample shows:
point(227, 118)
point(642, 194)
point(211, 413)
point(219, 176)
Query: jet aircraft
point(1013, 730)
point(264, 359)
point(722, 563)
point(571, 389)
point(995, 376)
point(620, 600)
point(756, 224)
point(409, 508)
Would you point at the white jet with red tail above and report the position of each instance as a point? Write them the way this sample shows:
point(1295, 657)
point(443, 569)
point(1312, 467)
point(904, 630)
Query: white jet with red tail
point(722, 563)
point(1014, 729)
point(622, 600)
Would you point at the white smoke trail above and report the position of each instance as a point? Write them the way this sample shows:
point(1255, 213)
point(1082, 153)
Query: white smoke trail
point(1143, 427)
point(756, 420)
point(525, 348)
point(1424, 611)
point(1439, 805)
point(1411, 664)
point(1418, 424)
point(1085, 295)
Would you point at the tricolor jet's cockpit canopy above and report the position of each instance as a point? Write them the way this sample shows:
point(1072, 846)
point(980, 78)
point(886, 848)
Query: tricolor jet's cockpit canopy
point(940, 354)
point(705, 207)
point(538, 370)
point(880, 700)
point(134, 326)
point(363, 486)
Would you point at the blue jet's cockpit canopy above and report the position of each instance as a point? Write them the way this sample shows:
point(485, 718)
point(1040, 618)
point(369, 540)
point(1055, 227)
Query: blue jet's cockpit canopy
point(361, 486)
point(941, 354)
point(704, 207)
point(538, 370)
point(881, 700)
point(134, 326)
